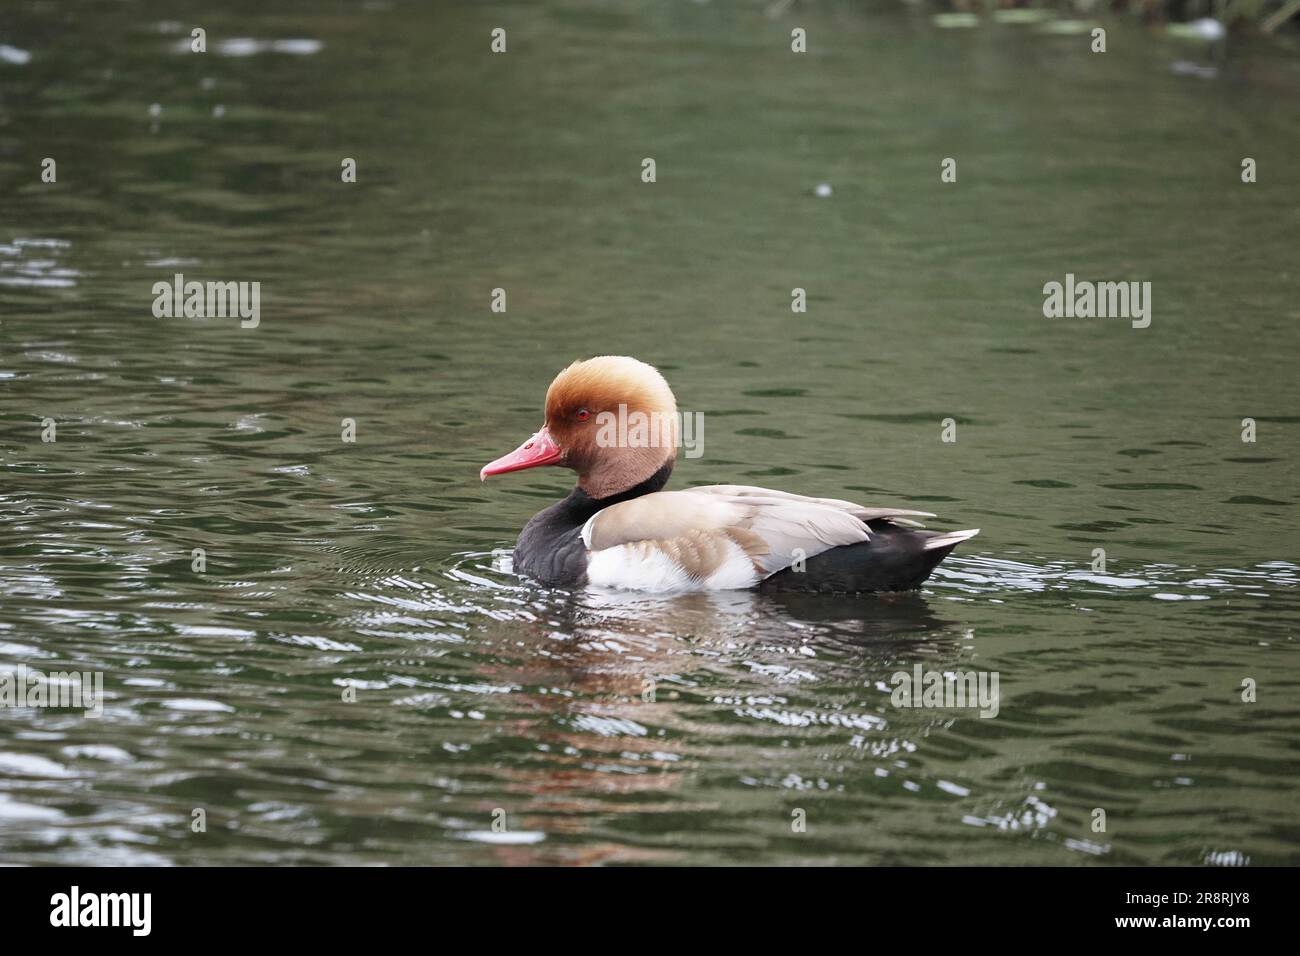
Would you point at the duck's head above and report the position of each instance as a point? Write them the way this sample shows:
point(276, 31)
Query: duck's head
point(611, 419)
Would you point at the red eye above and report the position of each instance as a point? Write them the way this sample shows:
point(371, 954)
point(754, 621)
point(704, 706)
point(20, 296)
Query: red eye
point(583, 415)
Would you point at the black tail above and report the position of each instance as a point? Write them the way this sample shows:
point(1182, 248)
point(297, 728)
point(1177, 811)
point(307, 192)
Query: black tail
point(895, 559)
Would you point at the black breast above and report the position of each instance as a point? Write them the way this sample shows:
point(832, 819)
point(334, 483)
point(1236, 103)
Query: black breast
point(550, 548)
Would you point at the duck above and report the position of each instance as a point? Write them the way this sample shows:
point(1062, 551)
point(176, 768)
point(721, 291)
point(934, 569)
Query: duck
point(619, 528)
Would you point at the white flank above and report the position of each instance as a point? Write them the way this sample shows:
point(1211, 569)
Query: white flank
point(638, 567)
point(736, 571)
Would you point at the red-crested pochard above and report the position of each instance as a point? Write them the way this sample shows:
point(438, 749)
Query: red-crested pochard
point(619, 529)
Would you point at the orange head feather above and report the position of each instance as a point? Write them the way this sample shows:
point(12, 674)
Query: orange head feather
point(584, 408)
point(611, 419)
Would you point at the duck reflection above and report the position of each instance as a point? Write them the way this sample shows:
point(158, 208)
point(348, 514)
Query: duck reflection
point(634, 681)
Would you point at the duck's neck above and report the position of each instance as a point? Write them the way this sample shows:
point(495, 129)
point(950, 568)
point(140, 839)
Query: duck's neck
point(582, 501)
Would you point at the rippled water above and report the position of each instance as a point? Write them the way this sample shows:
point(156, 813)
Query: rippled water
point(383, 566)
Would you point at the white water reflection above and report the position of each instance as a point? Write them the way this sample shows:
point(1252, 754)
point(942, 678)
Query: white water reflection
point(981, 575)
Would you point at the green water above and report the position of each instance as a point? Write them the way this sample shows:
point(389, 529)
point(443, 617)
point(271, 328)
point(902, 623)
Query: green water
point(383, 565)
